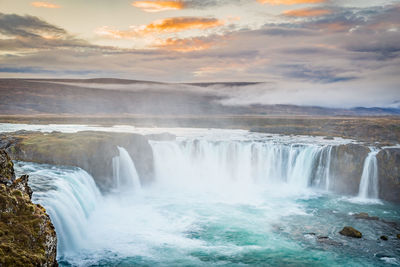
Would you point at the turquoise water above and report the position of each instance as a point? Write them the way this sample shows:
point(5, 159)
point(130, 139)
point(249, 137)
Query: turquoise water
point(253, 225)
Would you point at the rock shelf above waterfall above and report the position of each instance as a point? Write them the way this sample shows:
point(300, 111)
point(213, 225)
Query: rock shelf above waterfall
point(92, 151)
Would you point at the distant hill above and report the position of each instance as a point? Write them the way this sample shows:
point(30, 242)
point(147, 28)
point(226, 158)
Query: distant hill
point(124, 97)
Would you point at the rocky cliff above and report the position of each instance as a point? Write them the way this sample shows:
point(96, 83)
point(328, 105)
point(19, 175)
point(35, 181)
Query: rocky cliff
point(389, 174)
point(347, 162)
point(27, 236)
point(91, 151)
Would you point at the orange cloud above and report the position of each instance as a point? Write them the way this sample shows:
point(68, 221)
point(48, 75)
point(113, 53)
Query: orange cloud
point(290, 2)
point(157, 6)
point(164, 26)
point(307, 12)
point(45, 5)
point(184, 45)
point(334, 26)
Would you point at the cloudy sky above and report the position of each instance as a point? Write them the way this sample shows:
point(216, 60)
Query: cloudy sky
point(299, 48)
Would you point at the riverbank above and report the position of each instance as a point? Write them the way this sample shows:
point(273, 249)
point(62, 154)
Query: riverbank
point(384, 130)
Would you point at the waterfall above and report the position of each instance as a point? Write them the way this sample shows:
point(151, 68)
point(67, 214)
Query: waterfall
point(125, 175)
point(70, 196)
point(322, 178)
point(203, 187)
point(328, 168)
point(219, 163)
point(369, 178)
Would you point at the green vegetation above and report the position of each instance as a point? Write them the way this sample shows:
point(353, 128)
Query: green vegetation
point(25, 230)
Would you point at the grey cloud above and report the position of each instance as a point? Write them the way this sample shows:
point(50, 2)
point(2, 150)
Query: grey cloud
point(288, 31)
point(210, 3)
point(31, 33)
point(303, 64)
point(316, 74)
point(26, 26)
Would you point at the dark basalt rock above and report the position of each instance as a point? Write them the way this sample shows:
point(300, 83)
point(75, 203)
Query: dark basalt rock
point(346, 168)
point(7, 175)
point(389, 174)
point(384, 238)
point(350, 232)
point(21, 184)
point(27, 236)
point(365, 216)
point(327, 241)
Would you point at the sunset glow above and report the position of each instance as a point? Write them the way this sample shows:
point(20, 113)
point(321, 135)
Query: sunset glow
point(45, 5)
point(157, 6)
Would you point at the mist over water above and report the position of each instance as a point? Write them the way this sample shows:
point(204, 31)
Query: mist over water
point(213, 202)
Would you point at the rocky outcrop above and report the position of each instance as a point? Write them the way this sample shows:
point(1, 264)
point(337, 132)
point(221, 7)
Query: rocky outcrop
point(91, 151)
point(346, 168)
point(27, 236)
point(389, 174)
point(7, 175)
point(350, 232)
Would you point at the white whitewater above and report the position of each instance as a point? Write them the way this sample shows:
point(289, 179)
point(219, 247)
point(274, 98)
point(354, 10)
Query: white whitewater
point(125, 175)
point(218, 164)
point(322, 178)
point(70, 196)
point(328, 168)
point(369, 179)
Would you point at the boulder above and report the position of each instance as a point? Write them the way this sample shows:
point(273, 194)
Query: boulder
point(384, 238)
point(327, 241)
point(350, 232)
point(365, 216)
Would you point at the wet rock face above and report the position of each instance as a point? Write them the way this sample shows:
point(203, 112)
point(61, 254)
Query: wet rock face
point(27, 236)
point(91, 151)
point(7, 175)
point(346, 168)
point(389, 174)
point(350, 232)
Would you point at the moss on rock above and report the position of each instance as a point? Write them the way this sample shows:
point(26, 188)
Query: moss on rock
point(6, 168)
point(350, 232)
point(27, 236)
